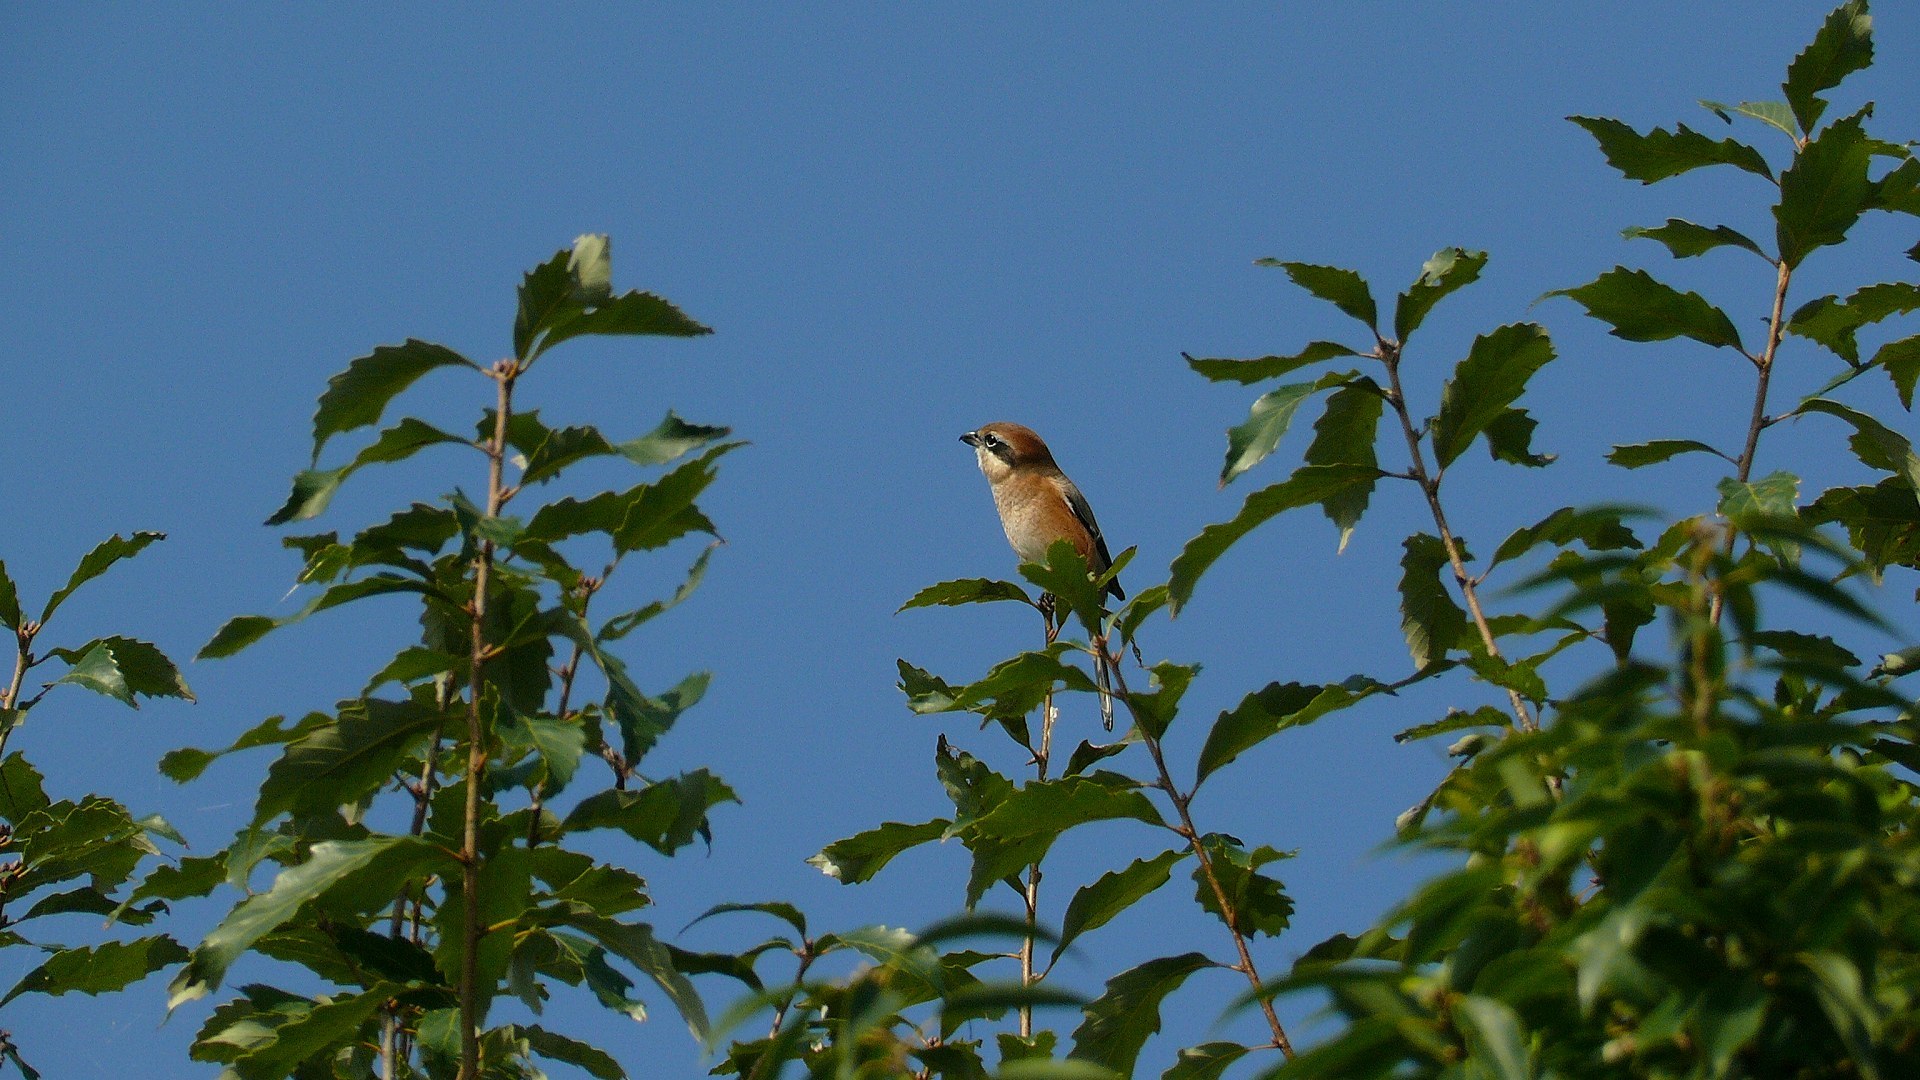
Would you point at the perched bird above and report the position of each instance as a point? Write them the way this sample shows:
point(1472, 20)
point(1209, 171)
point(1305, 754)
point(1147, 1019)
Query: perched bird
point(1038, 505)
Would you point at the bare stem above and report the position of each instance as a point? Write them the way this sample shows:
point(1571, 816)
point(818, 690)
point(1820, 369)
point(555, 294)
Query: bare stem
point(471, 927)
point(1389, 354)
point(23, 636)
point(1759, 421)
point(1032, 896)
point(1187, 831)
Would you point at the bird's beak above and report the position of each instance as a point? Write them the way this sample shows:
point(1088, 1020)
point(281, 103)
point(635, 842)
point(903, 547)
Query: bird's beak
point(971, 438)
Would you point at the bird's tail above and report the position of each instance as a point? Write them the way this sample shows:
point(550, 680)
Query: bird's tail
point(1103, 678)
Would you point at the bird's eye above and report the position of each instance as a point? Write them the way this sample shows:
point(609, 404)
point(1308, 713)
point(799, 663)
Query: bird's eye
point(992, 439)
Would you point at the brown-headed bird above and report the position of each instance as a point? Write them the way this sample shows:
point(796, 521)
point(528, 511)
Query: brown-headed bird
point(1039, 505)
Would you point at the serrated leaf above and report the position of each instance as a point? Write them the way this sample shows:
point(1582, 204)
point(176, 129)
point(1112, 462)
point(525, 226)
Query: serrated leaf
point(1207, 1061)
point(10, 613)
point(1272, 413)
point(1510, 439)
point(1449, 269)
point(1119, 1022)
point(665, 815)
point(1810, 648)
point(1309, 485)
point(1259, 904)
point(357, 396)
point(559, 744)
point(1901, 359)
point(101, 969)
point(1518, 676)
point(1660, 154)
point(322, 1027)
point(1050, 807)
point(137, 667)
point(187, 763)
point(1875, 444)
point(621, 625)
point(1843, 45)
point(328, 863)
point(97, 672)
point(1429, 618)
point(1687, 240)
point(1456, 720)
point(314, 489)
point(1824, 191)
point(1097, 904)
point(1638, 455)
point(635, 943)
point(243, 630)
point(1836, 324)
point(1598, 528)
point(1247, 372)
point(1344, 435)
point(670, 440)
point(1642, 309)
point(341, 762)
point(1770, 496)
point(95, 563)
point(1486, 384)
point(1275, 708)
point(1340, 287)
point(966, 591)
point(590, 1059)
point(859, 857)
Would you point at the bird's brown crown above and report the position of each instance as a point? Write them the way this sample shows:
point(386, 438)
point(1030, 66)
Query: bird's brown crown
point(1021, 445)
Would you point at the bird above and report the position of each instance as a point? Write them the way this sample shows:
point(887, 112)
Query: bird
point(1038, 506)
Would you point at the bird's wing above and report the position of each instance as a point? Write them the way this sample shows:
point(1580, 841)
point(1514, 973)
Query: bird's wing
point(1078, 504)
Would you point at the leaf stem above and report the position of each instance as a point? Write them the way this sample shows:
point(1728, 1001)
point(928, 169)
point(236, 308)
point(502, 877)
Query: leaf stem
point(1388, 353)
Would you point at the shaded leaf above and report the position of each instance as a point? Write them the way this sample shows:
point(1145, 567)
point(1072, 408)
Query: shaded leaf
point(1247, 372)
point(966, 591)
point(1824, 191)
point(357, 396)
point(1486, 383)
point(1598, 528)
point(1843, 45)
point(1836, 324)
point(1344, 435)
point(1260, 904)
point(1775, 114)
point(136, 667)
point(1687, 240)
point(1510, 439)
point(1636, 455)
point(1876, 445)
point(95, 563)
point(1309, 485)
point(1901, 359)
point(1660, 154)
point(243, 630)
point(859, 857)
point(1119, 1022)
point(101, 969)
point(1273, 709)
point(346, 760)
point(314, 489)
point(1342, 288)
point(1112, 893)
point(1208, 1061)
point(1642, 309)
point(1429, 618)
point(665, 815)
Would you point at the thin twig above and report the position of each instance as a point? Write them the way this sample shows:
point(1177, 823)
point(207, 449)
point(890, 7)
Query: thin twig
point(1759, 421)
point(1388, 353)
point(1191, 835)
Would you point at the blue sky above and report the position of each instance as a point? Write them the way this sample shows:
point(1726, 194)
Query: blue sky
point(903, 221)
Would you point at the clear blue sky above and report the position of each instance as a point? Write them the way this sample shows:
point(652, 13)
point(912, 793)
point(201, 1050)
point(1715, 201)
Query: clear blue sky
point(903, 221)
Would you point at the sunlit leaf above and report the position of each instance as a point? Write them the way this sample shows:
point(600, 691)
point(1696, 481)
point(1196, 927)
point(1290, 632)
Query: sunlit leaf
point(1449, 269)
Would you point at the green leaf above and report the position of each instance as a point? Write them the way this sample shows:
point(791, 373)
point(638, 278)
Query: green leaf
point(1247, 372)
point(1456, 720)
point(665, 815)
point(1260, 904)
point(1494, 1033)
point(1051, 807)
point(10, 613)
point(1636, 455)
point(357, 396)
point(1642, 309)
point(1598, 528)
point(188, 763)
point(1807, 648)
point(1342, 288)
point(314, 489)
point(1068, 578)
point(1486, 384)
point(570, 295)
point(1770, 496)
point(672, 439)
point(1775, 114)
point(1660, 154)
point(630, 313)
point(1275, 708)
point(1876, 445)
point(342, 762)
point(1272, 413)
point(859, 857)
point(1448, 270)
point(635, 943)
point(621, 625)
point(1309, 485)
point(966, 591)
point(1119, 1022)
point(1843, 45)
point(96, 562)
point(1687, 240)
point(555, 1047)
point(328, 863)
point(1429, 618)
point(102, 969)
point(128, 667)
point(243, 630)
point(1836, 324)
point(1510, 439)
point(1096, 905)
point(1344, 435)
point(558, 743)
point(1901, 359)
point(324, 1027)
point(1519, 676)
point(1208, 1061)
point(1824, 191)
